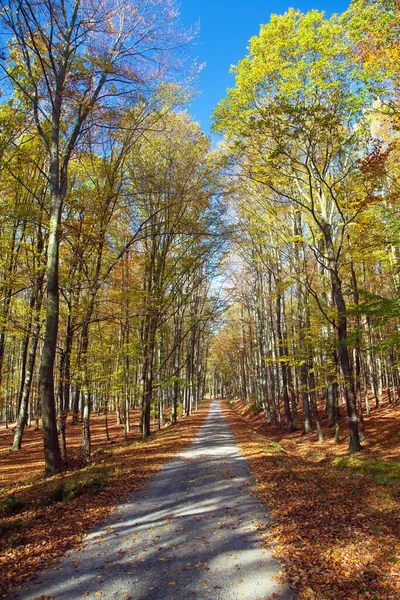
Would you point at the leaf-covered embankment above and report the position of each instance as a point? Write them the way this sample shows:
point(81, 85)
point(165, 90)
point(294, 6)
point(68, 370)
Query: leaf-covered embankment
point(336, 531)
point(44, 518)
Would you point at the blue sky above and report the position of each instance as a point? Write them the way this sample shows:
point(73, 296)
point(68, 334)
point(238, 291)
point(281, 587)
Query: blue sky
point(225, 29)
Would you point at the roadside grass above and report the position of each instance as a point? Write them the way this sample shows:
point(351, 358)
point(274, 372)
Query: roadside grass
point(277, 447)
point(383, 471)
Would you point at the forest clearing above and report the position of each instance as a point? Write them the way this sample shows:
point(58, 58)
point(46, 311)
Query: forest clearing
point(204, 320)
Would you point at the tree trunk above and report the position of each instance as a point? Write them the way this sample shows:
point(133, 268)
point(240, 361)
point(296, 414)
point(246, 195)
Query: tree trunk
point(283, 355)
point(86, 424)
point(52, 453)
point(354, 441)
point(30, 365)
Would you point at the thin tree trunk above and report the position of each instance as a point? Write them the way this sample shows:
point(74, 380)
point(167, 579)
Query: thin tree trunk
point(19, 430)
point(283, 358)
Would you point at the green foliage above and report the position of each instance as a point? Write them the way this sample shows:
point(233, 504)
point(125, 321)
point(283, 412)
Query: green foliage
point(77, 485)
point(379, 307)
point(296, 73)
point(278, 447)
point(13, 505)
point(383, 471)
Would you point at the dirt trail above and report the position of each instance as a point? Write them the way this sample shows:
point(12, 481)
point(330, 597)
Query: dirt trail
point(194, 531)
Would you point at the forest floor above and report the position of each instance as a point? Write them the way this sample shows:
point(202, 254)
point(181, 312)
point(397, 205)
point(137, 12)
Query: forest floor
point(41, 518)
point(336, 516)
point(18, 468)
point(336, 526)
point(194, 531)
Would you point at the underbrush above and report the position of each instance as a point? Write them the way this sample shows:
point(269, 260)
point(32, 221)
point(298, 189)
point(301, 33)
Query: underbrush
point(277, 447)
point(255, 409)
point(383, 471)
point(12, 505)
point(89, 482)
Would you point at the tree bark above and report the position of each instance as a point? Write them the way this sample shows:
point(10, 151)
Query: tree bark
point(30, 365)
point(283, 355)
point(53, 462)
point(344, 358)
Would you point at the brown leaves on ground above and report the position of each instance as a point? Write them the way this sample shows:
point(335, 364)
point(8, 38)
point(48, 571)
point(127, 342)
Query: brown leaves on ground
point(54, 514)
point(335, 530)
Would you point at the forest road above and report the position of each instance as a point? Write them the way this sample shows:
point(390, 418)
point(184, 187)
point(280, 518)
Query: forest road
point(192, 532)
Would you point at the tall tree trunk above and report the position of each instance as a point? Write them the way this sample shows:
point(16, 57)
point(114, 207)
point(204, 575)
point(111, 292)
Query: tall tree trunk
point(306, 399)
point(357, 357)
point(127, 424)
point(313, 397)
point(6, 293)
point(148, 368)
point(61, 409)
point(351, 403)
point(53, 462)
point(25, 346)
point(87, 398)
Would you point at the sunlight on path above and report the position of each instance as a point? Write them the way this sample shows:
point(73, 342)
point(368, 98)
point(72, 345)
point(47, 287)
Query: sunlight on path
point(193, 532)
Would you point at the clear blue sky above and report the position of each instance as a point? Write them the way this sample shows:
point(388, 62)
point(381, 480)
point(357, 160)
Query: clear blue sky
point(225, 29)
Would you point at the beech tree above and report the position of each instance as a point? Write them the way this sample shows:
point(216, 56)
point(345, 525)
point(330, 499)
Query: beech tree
point(70, 62)
point(172, 183)
point(299, 126)
point(105, 181)
point(297, 108)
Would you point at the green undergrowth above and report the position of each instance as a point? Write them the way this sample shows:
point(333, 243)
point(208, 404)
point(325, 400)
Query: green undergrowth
point(269, 448)
point(85, 482)
point(90, 480)
point(277, 447)
point(255, 409)
point(383, 471)
point(12, 505)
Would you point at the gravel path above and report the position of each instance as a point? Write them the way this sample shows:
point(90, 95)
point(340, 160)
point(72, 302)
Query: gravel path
point(192, 532)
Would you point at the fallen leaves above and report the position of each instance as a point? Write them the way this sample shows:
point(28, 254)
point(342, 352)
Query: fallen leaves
point(28, 548)
point(337, 534)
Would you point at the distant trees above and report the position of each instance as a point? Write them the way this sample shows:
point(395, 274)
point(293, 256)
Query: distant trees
point(172, 180)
